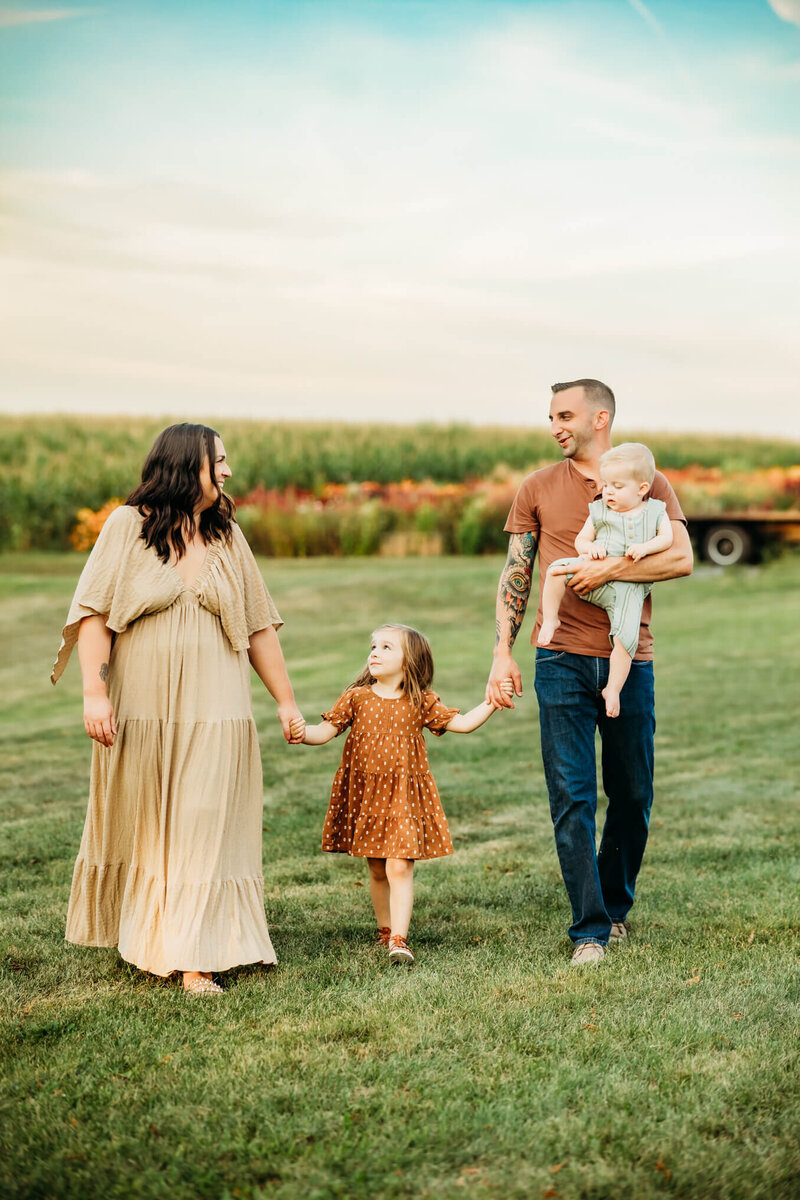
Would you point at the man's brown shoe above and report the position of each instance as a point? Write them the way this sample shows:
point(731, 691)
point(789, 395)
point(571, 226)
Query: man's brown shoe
point(587, 953)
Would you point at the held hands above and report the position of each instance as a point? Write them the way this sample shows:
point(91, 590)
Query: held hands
point(504, 682)
point(98, 719)
point(297, 729)
point(291, 719)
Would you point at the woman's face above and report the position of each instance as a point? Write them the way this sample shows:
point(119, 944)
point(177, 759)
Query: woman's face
point(213, 476)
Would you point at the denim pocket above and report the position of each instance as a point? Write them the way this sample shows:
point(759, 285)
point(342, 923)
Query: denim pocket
point(543, 655)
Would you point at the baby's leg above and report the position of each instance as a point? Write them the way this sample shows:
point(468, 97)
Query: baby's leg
point(379, 891)
point(625, 615)
point(400, 873)
point(619, 668)
point(552, 595)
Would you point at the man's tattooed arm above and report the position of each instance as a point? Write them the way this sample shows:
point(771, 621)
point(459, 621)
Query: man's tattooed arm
point(515, 587)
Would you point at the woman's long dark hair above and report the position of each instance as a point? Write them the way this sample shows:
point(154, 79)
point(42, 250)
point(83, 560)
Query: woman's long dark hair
point(171, 488)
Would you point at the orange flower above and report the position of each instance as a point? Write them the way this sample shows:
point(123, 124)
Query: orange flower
point(89, 523)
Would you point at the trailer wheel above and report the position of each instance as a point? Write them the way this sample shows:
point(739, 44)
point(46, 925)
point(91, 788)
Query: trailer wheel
point(726, 545)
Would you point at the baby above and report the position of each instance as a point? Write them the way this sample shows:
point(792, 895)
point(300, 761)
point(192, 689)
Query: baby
point(623, 523)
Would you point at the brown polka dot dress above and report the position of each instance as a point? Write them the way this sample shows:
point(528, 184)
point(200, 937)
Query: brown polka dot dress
point(384, 802)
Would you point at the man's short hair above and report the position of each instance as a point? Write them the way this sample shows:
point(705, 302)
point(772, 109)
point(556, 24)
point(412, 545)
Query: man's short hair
point(635, 456)
point(597, 393)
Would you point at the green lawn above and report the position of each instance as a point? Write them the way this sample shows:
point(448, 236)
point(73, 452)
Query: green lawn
point(491, 1068)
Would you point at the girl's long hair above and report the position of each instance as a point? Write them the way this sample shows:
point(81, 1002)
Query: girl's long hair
point(417, 663)
point(171, 488)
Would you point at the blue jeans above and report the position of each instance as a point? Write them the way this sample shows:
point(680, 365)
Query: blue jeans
point(600, 884)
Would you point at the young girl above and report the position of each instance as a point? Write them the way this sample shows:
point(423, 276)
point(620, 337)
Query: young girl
point(623, 523)
point(384, 804)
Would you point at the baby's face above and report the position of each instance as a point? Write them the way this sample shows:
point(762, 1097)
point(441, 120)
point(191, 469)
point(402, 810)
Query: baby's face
point(621, 491)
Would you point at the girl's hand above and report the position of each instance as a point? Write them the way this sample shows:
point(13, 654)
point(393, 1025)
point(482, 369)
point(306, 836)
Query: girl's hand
point(597, 551)
point(636, 552)
point(98, 719)
point(297, 728)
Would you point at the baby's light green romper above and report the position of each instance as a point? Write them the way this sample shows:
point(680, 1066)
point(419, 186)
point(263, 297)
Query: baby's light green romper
point(621, 600)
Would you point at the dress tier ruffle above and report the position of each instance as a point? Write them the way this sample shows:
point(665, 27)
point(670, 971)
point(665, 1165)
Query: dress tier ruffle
point(384, 802)
point(169, 868)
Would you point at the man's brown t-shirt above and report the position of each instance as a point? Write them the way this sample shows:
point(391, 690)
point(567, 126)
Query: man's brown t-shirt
point(553, 504)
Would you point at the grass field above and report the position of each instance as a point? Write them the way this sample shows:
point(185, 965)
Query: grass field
point(491, 1068)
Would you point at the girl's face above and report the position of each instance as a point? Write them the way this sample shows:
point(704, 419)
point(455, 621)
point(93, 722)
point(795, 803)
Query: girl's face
point(621, 491)
point(212, 477)
point(386, 655)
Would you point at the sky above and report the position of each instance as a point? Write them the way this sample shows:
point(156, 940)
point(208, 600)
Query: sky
point(397, 210)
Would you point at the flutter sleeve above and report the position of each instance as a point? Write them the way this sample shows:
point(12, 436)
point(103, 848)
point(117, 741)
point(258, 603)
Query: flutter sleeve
point(436, 716)
point(109, 586)
point(259, 609)
point(343, 711)
point(232, 587)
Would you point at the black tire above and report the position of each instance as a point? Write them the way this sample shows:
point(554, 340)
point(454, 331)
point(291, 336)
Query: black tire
point(727, 545)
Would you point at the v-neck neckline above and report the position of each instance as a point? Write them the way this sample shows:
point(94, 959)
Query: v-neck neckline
point(188, 587)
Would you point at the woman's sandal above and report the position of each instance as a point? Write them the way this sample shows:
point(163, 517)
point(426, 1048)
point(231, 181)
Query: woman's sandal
point(203, 987)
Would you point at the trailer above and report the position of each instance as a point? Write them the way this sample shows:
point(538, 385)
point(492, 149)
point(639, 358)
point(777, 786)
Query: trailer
point(739, 537)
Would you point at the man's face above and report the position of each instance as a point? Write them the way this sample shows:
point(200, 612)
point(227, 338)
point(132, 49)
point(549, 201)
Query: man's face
point(572, 422)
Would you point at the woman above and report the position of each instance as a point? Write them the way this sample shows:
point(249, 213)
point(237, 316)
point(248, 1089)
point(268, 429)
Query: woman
point(168, 611)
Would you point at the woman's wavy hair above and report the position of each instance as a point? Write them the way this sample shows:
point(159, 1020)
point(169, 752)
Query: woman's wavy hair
point(171, 488)
point(417, 663)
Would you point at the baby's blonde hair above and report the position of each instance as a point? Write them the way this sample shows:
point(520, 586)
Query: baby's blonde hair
point(636, 457)
point(417, 663)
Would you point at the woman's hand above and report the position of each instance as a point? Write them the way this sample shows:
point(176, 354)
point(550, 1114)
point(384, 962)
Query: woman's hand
point(288, 715)
point(98, 719)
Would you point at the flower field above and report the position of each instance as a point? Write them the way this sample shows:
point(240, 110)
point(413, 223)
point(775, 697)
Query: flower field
point(304, 490)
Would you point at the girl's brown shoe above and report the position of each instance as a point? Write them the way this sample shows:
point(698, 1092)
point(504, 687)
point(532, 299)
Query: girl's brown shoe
point(399, 950)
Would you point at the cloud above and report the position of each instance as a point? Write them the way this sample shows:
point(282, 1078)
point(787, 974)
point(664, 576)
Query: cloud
point(469, 218)
point(18, 16)
point(645, 13)
point(787, 10)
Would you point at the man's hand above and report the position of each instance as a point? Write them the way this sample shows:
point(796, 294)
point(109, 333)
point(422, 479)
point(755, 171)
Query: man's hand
point(504, 672)
point(593, 574)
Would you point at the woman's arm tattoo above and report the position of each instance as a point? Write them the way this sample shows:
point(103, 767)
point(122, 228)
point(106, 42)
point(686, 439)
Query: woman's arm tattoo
point(515, 585)
point(104, 671)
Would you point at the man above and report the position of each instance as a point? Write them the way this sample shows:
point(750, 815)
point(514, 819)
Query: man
point(548, 512)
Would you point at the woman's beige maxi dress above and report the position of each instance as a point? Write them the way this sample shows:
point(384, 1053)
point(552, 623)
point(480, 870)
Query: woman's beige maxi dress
point(169, 868)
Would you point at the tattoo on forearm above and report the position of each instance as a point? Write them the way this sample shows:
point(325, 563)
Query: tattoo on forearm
point(515, 586)
point(104, 671)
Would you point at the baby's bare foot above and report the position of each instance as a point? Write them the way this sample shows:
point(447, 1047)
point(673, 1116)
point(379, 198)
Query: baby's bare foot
point(547, 632)
point(612, 702)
